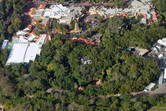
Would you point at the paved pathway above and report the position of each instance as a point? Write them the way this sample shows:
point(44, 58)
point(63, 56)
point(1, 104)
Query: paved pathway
point(157, 109)
point(160, 90)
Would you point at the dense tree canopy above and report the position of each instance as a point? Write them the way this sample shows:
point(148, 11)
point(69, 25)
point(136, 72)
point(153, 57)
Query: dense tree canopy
point(10, 16)
point(52, 81)
point(160, 5)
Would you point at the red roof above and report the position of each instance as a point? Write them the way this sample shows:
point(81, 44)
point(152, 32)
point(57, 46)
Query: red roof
point(31, 11)
point(57, 30)
point(123, 14)
point(33, 33)
point(35, 21)
point(30, 27)
point(143, 15)
point(86, 41)
point(42, 6)
point(156, 15)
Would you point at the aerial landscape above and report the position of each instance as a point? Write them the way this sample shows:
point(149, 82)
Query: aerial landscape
point(79, 55)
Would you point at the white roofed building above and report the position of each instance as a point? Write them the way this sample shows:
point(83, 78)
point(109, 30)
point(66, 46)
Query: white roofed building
point(24, 50)
point(32, 51)
point(63, 14)
point(4, 44)
point(21, 32)
point(165, 73)
point(17, 53)
point(42, 40)
point(136, 4)
point(162, 41)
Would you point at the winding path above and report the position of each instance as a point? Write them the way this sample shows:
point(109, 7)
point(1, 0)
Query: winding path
point(159, 90)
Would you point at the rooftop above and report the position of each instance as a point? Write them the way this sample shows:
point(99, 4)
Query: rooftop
point(17, 53)
point(4, 44)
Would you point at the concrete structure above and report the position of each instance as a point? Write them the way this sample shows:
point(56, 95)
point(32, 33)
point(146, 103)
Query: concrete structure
point(31, 12)
point(21, 32)
point(63, 14)
point(160, 56)
point(4, 44)
point(159, 52)
point(149, 87)
point(76, 29)
point(165, 73)
point(17, 54)
point(42, 6)
point(162, 42)
point(142, 51)
point(137, 51)
point(24, 51)
point(137, 8)
point(31, 53)
point(31, 37)
point(143, 20)
point(85, 60)
point(160, 81)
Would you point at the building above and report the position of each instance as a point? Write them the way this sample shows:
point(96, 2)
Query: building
point(93, 10)
point(86, 41)
point(42, 6)
point(25, 51)
point(31, 12)
point(85, 60)
point(136, 4)
point(63, 14)
point(165, 73)
point(161, 42)
point(137, 51)
point(149, 87)
point(142, 8)
point(17, 53)
point(76, 29)
point(160, 81)
point(4, 44)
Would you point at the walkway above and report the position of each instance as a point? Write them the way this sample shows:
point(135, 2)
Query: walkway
point(160, 90)
point(157, 109)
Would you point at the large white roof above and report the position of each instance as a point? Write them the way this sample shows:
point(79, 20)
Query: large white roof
point(47, 12)
point(32, 52)
point(111, 11)
point(21, 33)
point(41, 40)
point(23, 53)
point(162, 41)
point(136, 3)
point(58, 10)
point(22, 39)
point(165, 73)
point(17, 54)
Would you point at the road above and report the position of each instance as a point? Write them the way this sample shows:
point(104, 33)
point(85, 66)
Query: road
point(160, 90)
point(157, 109)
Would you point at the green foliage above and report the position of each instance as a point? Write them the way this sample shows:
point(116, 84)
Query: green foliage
point(160, 5)
point(58, 67)
point(3, 27)
point(115, 24)
point(119, 3)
